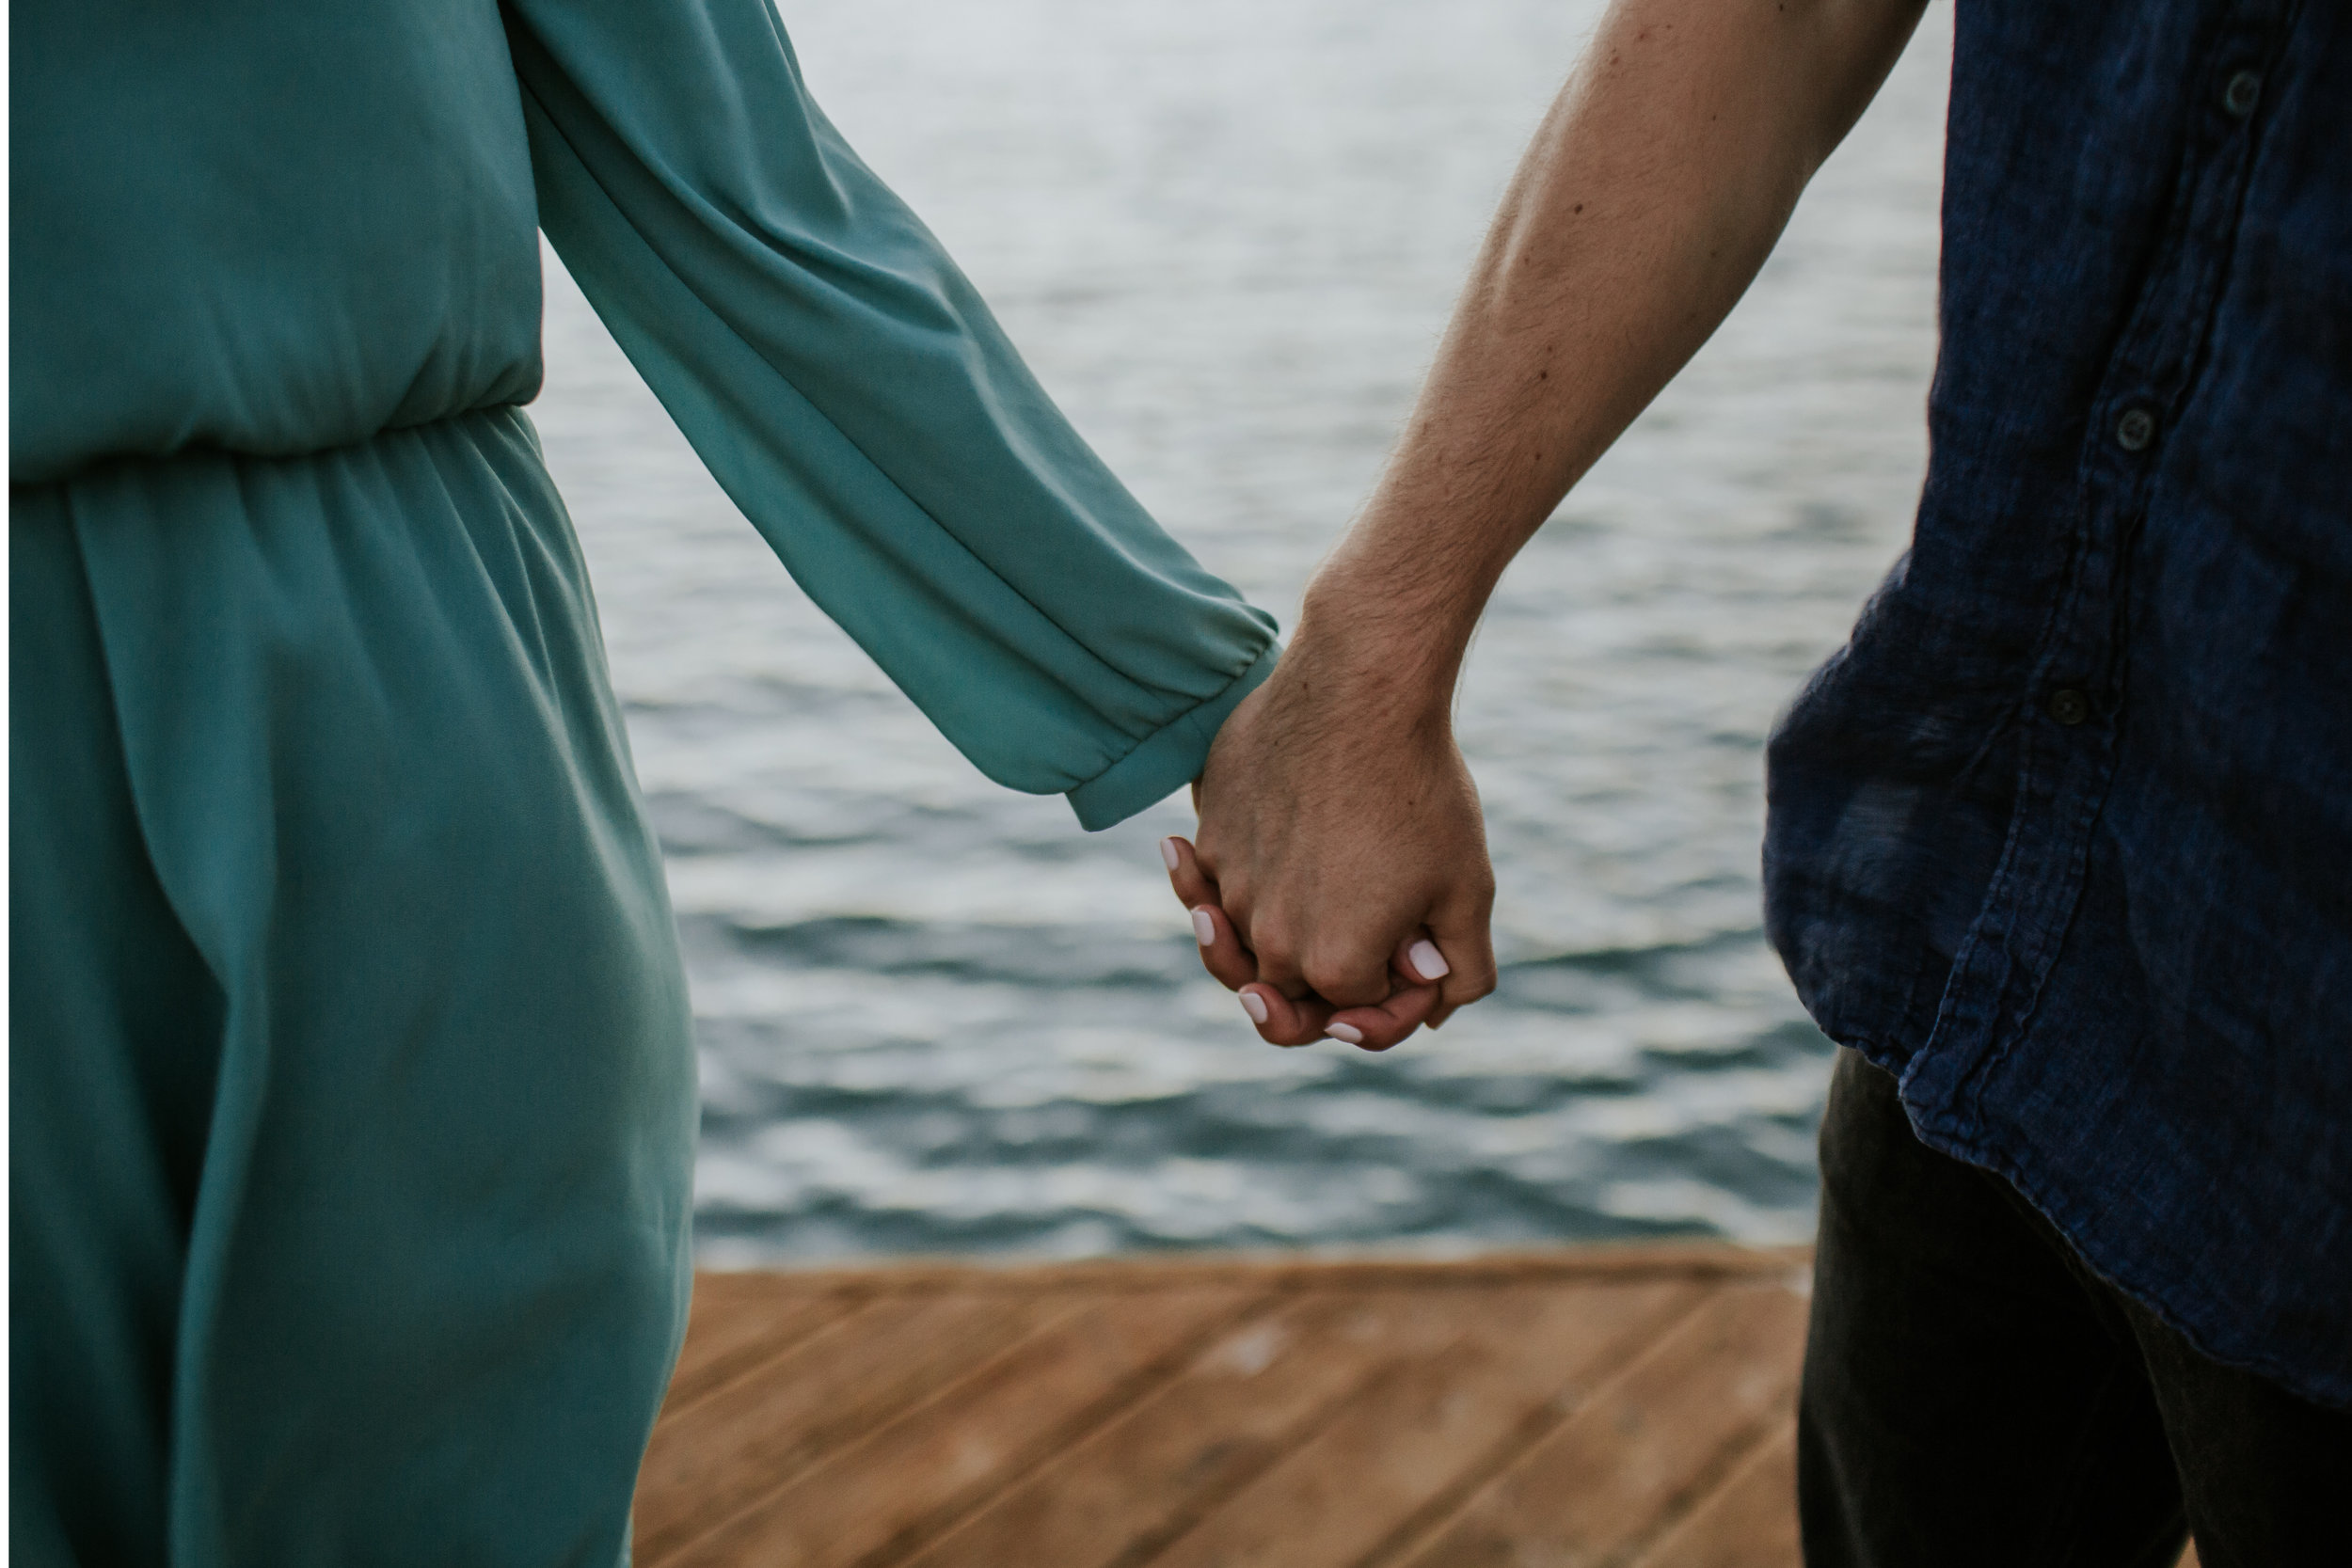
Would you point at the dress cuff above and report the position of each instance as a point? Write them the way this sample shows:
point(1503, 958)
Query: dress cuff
point(1168, 759)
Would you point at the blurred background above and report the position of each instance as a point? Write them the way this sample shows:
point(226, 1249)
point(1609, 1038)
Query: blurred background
point(935, 1016)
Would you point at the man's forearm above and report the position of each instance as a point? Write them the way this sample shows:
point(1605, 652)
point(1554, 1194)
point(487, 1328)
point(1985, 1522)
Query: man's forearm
point(1338, 822)
point(1652, 192)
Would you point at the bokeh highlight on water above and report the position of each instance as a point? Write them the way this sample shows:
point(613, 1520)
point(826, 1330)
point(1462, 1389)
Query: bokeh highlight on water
point(935, 1016)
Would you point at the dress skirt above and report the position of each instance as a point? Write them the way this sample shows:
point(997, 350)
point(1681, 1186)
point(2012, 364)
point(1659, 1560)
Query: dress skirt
point(352, 1085)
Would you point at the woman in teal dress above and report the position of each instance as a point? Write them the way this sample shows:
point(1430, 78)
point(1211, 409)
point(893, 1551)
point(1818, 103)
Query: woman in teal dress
point(352, 1099)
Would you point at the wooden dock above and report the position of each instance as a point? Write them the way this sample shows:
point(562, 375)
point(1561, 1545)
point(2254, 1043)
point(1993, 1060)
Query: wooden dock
point(1622, 1406)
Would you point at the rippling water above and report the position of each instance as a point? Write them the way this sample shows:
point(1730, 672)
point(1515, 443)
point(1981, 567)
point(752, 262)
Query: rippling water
point(935, 1016)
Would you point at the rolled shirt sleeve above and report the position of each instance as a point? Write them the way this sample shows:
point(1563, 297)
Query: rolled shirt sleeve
point(852, 394)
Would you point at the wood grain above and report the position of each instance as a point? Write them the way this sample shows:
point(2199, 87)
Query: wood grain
point(1227, 1417)
point(1626, 1405)
point(743, 1440)
point(1746, 1521)
point(741, 1320)
point(1636, 1456)
point(1410, 1441)
point(883, 1496)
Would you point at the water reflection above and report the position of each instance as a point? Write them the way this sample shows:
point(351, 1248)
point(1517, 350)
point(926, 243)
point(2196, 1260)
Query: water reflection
point(933, 1015)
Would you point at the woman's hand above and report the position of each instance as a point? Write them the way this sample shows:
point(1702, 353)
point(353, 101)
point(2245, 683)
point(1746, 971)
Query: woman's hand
point(1339, 880)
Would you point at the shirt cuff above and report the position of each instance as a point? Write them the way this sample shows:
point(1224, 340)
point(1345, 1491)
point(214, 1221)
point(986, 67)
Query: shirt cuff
point(1168, 759)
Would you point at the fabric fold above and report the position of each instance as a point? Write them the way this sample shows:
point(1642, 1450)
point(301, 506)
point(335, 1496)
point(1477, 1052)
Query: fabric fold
point(854, 396)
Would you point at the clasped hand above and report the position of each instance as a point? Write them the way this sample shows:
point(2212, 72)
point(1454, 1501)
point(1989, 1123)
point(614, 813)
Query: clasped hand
point(1340, 879)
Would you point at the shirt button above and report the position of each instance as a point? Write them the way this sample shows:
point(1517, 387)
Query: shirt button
point(2069, 706)
point(2134, 429)
point(2244, 91)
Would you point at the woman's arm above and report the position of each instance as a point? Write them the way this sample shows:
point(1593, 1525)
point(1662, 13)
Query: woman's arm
point(848, 388)
point(1336, 817)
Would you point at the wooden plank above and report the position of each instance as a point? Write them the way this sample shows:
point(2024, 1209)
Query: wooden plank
point(1246, 1399)
point(1643, 1447)
point(1403, 1450)
point(885, 1496)
point(1290, 1270)
point(1750, 1521)
point(741, 1441)
point(738, 1321)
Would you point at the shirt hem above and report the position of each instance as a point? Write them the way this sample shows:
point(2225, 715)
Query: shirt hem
point(2043, 1186)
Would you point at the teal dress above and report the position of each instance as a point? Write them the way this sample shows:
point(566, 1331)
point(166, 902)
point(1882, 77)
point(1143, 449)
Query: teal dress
point(353, 1098)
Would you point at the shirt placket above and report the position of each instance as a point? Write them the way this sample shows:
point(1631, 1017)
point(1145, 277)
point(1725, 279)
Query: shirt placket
point(2074, 705)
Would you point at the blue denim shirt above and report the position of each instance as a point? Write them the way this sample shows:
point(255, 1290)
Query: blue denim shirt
point(2063, 835)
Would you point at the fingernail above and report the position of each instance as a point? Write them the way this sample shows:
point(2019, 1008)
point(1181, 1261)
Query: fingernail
point(1205, 927)
point(1167, 854)
point(1347, 1032)
point(1427, 961)
point(1254, 1005)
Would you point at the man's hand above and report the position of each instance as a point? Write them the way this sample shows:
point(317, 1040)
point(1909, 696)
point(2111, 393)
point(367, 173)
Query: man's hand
point(1338, 827)
point(1341, 881)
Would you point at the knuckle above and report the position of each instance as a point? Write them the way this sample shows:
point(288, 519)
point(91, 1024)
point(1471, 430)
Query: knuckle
point(1334, 977)
point(1241, 918)
point(1323, 975)
point(1273, 939)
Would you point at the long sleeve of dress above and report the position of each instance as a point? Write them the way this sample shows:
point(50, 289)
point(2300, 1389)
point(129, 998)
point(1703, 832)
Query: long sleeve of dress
point(852, 394)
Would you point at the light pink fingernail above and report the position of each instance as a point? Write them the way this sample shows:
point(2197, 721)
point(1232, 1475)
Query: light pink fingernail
point(1347, 1032)
point(1254, 1005)
point(1427, 961)
point(1205, 927)
point(1167, 854)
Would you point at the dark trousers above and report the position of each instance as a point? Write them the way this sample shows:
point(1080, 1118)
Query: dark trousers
point(1973, 1394)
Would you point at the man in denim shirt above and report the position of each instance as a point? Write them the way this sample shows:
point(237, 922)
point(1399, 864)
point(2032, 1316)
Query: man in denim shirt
point(2060, 844)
